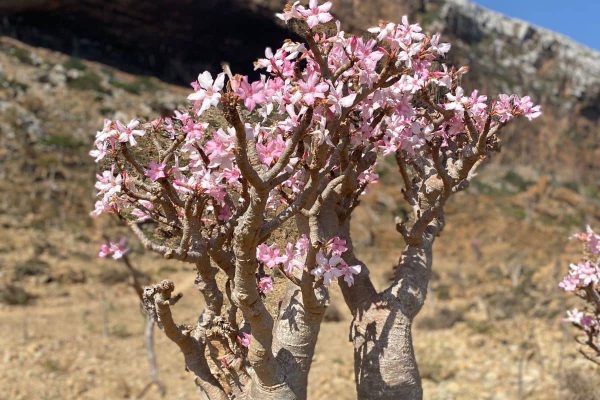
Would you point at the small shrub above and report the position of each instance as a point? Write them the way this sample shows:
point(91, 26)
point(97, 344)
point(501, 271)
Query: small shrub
point(14, 295)
point(113, 276)
point(88, 80)
point(31, 267)
point(63, 142)
point(332, 314)
point(516, 181)
point(53, 366)
point(21, 54)
point(444, 318)
point(120, 331)
point(480, 327)
point(579, 385)
point(74, 63)
point(139, 85)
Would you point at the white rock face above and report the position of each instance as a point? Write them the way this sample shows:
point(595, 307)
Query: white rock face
point(527, 48)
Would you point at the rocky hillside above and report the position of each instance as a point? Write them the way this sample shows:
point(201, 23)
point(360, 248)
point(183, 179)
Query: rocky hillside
point(175, 39)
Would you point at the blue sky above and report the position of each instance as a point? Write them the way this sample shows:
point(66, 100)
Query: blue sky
point(577, 19)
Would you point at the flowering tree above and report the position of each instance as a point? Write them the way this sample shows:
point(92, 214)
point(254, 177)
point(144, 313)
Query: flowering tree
point(583, 280)
point(294, 151)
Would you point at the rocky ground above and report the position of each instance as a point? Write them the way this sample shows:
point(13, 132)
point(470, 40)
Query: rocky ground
point(70, 325)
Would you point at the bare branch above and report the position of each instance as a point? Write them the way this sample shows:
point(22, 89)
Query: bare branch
point(284, 158)
point(241, 154)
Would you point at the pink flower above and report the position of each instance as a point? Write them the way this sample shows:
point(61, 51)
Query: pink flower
point(194, 132)
point(269, 255)
point(368, 177)
point(591, 240)
point(569, 283)
point(207, 92)
point(316, 14)
point(225, 213)
point(270, 152)
point(457, 101)
point(338, 101)
point(155, 171)
point(312, 89)
point(511, 106)
point(103, 207)
point(252, 94)
point(477, 104)
point(114, 249)
point(587, 273)
point(232, 176)
point(348, 273)
point(105, 250)
point(337, 246)
point(184, 117)
point(220, 149)
point(293, 259)
point(580, 275)
point(127, 133)
point(108, 184)
point(291, 12)
point(142, 211)
point(293, 119)
point(119, 249)
point(410, 31)
point(383, 31)
point(99, 152)
point(503, 107)
point(244, 339)
point(575, 316)
point(439, 48)
point(587, 322)
point(327, 268)
point(265, 285)
point(302, 245)
point(525, 106)
point(108, 134)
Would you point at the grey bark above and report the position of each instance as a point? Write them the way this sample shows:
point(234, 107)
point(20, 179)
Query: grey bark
point(384, 360)
point(296, 332)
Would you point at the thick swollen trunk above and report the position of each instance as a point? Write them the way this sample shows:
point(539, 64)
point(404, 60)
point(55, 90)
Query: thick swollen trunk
point(296, 333)
point(384, 360)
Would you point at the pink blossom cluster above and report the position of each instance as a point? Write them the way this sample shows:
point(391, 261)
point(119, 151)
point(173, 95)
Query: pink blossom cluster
point(348, 81)
point(580, 276)
point(591, 241)
point(583, 281)
point(292, 258)
point(116, 250)
point(112, 134)
point(329, 262)
point(583, 320)
point(334, 92)
point(331, 265)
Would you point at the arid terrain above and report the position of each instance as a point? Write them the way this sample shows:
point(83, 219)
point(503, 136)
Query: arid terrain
point(71, 326)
